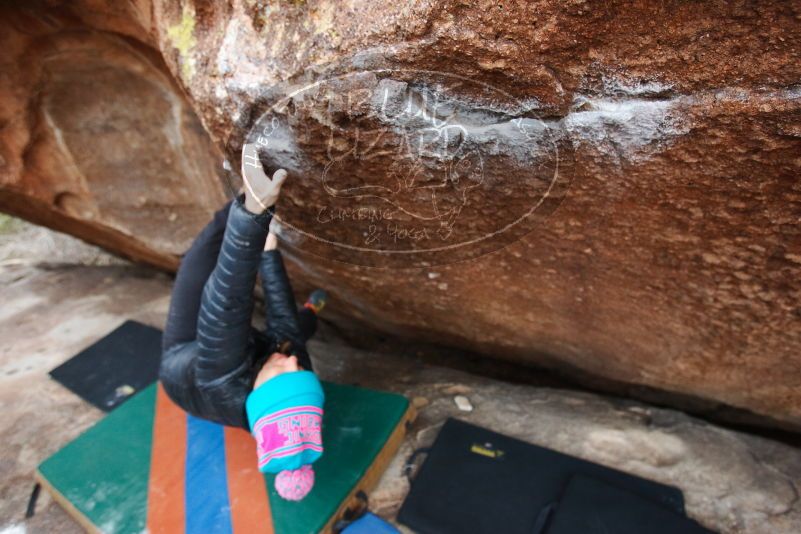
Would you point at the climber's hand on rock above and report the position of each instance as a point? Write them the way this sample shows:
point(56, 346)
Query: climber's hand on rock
point(261, 192)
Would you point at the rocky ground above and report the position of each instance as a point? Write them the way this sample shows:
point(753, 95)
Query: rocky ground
point(60, 295)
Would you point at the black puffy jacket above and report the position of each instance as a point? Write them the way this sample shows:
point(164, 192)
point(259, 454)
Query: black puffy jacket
point(211, 376)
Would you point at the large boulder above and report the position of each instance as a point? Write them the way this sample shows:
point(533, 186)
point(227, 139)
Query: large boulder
point(611, 191)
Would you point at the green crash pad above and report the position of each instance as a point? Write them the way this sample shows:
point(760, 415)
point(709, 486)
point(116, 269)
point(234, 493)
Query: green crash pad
point(150, 466)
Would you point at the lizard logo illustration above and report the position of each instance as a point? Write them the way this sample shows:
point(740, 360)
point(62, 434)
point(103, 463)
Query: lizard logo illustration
point(430, 174)
point(405, 167)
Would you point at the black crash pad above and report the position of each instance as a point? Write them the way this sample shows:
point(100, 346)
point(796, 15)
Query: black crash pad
point(478, 481)
point(589, 506)
point(115, 367)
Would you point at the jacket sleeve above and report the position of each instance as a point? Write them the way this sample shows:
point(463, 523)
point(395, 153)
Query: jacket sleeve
point(223, 329)
point(281, 310)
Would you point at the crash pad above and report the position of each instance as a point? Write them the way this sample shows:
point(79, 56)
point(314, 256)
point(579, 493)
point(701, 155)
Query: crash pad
point(149, 465)
point(590, 506)
point(112, 369)
point(479, 481)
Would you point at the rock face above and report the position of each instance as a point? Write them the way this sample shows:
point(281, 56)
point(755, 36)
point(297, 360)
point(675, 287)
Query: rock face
point(98, 141)
point(610, 191)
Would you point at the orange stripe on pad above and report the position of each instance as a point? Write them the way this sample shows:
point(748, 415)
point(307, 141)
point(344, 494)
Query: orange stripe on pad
point(247, 491)
point(165, 496)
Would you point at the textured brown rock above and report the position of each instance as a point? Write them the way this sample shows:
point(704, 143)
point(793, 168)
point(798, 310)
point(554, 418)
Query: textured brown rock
point(669, 256)
point(98, 140)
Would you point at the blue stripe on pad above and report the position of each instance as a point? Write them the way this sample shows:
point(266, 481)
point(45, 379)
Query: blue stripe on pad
point(207, 506)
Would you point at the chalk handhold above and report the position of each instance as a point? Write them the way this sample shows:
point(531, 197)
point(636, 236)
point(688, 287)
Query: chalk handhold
point(463, 403)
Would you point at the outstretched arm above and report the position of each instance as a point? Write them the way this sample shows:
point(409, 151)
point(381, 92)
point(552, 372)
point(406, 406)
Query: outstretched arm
point(281, 310)
point(283, 323)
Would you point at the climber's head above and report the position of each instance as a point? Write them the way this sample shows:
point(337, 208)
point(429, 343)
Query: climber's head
point(285, 415)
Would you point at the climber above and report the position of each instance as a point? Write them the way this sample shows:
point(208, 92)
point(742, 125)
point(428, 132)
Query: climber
point(215, 365)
